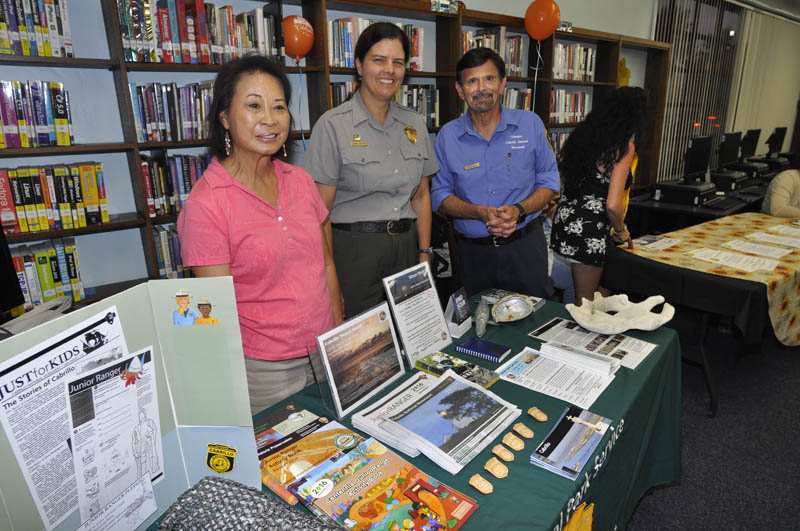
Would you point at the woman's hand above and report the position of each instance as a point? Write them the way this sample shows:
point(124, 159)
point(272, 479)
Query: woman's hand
point(622, 236)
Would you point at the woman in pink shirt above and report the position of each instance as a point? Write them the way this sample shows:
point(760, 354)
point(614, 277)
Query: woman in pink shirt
point(259, 220)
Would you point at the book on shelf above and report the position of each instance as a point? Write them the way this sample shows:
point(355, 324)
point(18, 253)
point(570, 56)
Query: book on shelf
point(34, 114)
point(48, 270)
point(32, 28)
point(341, 91)
point(571, 442)
point(343, 34)
point(512, 48)
point(569, 106)
point(558, 139)
point(168, 251)
point(422, 98)
point(574, 61)
point(518, 99)
point(57, 197)
point(484, 349)
point(166, 112)
point(168, 181)
point(194, 31)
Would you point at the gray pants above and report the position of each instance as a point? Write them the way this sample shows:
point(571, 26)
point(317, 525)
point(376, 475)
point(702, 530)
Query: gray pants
point(269, 382)
point(363, 259)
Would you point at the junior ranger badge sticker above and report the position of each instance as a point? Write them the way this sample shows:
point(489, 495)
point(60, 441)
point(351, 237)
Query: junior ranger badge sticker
point(220, 458)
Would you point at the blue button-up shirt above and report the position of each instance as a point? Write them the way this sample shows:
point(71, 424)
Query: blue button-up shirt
point(184, 319)
point(501, 171)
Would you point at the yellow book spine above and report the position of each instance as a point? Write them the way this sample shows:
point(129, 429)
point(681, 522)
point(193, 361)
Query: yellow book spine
point(91, 201)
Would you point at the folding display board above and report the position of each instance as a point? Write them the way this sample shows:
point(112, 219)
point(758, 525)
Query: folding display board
point(109, 413)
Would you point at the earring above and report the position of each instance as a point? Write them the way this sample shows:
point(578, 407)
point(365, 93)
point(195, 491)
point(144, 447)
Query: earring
point(227, 143)
point(284, 151)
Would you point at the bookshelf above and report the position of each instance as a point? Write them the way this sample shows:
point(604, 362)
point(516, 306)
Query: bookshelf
point(443, 46)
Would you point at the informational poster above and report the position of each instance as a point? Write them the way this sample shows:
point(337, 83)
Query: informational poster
point(116, 435)
point(417, 312)
point(32, 408)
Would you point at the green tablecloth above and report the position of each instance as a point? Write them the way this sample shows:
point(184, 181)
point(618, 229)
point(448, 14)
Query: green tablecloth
point(646, 403)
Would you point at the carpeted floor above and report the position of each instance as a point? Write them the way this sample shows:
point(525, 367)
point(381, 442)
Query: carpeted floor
point(741, 470)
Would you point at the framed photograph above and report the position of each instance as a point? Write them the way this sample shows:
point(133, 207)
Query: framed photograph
point(361, 356)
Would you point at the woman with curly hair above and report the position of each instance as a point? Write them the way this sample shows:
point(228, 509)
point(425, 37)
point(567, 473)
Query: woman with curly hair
point(595, 165)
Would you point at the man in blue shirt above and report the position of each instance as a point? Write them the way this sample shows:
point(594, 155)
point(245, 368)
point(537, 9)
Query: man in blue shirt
point(496, 174)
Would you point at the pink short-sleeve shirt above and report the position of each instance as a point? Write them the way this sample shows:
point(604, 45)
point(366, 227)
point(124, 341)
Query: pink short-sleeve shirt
point(275, 256)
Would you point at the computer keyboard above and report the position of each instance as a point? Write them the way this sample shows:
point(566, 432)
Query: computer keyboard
point(723, 203)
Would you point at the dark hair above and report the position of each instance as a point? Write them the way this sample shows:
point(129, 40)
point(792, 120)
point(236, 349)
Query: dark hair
point(602, 138)
point(478, 56)
point(374, 34)
point(224, 87)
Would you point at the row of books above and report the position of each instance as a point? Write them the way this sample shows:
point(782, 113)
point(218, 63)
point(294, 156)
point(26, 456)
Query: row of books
point(365, 484)
point(165, 112)
point(168, 181)
point(341, 91)
point(343, 34)
point(168, 251)
point(35, 28)
point(573, 61)
point(193, 31)
point(47, 271)
point(512, 48)
point(422, 98)
point(568, 106)
point(59, 197)
point(35, 114)
point(558, 139)
point(518, 99)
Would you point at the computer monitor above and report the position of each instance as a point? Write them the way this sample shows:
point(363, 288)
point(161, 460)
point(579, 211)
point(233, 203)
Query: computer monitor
point(11, 294)
point(775, 141)
point(729, 149)
point(696, 160)
point(749, 143)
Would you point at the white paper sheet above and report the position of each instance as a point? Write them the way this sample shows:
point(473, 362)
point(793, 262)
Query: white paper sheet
point(116, 434)
point(628, 350)
point(655, 243)
point(735, 260)
point(756, 248)
point(33, 412)
point(786, 230)
point(547, 375)
point(127, 511)
point(772, 238)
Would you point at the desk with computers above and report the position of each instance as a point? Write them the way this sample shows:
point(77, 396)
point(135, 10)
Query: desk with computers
point(739, 180)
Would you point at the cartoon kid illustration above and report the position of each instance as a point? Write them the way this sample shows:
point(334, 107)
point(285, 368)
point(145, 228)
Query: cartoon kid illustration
point(204, 307)
point(184, 315)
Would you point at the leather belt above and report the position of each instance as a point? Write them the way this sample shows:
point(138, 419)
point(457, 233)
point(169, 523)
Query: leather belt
point(499, 241)
point(390, 226)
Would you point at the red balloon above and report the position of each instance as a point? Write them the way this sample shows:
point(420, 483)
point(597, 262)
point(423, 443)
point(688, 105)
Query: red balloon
point(298, 36)
point(542, 18)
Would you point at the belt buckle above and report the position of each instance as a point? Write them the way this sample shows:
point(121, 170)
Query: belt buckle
point(389, 224)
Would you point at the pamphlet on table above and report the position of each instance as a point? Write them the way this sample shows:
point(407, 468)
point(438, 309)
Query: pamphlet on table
point(452, 421)
point(769, 251)
point(554, 373)
point(571, 442)
point(786, 230)
point(788, 241)
point(652, 242)
point(437, 363)
point(740, 261)
point(628, 350)
point(417, 311)
point(361, 356)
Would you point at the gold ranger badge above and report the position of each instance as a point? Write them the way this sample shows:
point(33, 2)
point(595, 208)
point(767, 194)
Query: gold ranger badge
point(220, 458)
point(411, 134)
point(357, 141)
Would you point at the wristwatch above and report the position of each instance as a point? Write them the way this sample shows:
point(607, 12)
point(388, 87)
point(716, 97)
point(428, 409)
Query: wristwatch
point(522, 212)
point(426, 250)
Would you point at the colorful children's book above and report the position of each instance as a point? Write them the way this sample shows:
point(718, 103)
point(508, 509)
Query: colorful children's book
point(438, 362)
point(372, 488)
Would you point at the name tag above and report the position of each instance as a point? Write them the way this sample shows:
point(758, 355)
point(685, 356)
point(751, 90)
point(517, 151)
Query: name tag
point(472, 166)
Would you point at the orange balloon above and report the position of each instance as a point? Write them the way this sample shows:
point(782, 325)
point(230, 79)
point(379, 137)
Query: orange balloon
point(542, 18)
point(298, 36)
